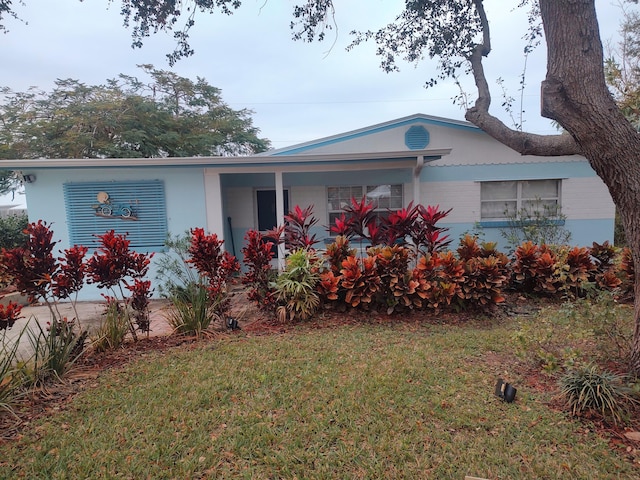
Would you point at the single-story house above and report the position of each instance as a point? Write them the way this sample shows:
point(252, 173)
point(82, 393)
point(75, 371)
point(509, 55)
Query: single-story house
point(419, 158)
point(11, 209)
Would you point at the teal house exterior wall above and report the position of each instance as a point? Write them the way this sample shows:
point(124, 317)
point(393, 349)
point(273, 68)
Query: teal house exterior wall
point(184, 199)
point(436, 161)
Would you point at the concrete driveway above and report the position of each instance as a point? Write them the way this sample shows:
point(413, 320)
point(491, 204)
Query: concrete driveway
point(90, 316)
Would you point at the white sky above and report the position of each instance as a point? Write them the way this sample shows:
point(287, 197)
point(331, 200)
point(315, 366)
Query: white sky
point(298, 91)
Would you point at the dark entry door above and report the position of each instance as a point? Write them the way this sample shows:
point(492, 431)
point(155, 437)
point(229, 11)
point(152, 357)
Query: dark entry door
point(267, 218)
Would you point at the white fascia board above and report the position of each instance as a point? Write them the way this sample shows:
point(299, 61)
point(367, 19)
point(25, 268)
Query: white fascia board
point(220, 162)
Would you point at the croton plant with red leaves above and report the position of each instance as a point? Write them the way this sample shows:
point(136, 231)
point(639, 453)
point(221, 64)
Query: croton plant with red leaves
point(33, 266)
point(113, 265)
point(213, 263)
point(9, 314)
point(258, 254)
point(70, 275)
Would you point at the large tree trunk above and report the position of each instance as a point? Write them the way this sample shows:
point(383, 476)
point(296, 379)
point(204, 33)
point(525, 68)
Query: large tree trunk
point(575, 95)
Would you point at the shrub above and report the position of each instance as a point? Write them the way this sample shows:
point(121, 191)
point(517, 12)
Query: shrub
point(9, 314)
point(10, 380)
point(173, 270)
point(114, 266)
point(604, 256)
point(544, 339)
point(12, 231)
point(396, 285)
point(425, 234)
point(114, 327)
point(468, 248)
point(297, 231)
point(191, 312)
point(484, 279)
point(258, 254)
point(329, 286)
point(214, 264)
point(538, 270)
point(296, 287)
point(360, 281)
point(611, 323)
point(337, 252)
point(627, 269)
point(577, 270)
point(485, 273)
point(444, 273)
point(55, 349)
point(588, 390)
point(538, 223)
point(32, 266)
point(41, 276)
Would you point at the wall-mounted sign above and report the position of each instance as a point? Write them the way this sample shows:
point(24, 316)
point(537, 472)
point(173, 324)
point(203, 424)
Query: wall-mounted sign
point(107, 208)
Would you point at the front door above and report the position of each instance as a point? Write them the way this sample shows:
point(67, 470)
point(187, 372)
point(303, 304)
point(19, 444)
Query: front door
point(266, 206)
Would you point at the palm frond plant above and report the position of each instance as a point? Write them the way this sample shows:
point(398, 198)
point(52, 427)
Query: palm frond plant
point(295, 288)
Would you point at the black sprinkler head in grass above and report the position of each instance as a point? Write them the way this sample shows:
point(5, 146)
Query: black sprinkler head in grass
point(232, 324)
point(505, 391)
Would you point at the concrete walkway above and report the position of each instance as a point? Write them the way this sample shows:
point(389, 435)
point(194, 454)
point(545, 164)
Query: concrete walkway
point(90, 315)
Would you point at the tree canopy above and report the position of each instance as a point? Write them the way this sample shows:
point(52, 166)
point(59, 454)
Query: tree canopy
point(167, 116)
point(622, 67)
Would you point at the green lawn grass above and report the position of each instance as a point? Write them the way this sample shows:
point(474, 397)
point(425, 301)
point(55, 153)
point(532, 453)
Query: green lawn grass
point(401, 400)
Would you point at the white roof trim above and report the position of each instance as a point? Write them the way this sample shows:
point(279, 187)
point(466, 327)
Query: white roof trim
point(219, 161)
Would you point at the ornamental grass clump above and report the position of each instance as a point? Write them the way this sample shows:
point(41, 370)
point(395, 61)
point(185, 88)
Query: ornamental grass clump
point(588, 390)
point(192, 311)
point(55, 347)
point(114, 326)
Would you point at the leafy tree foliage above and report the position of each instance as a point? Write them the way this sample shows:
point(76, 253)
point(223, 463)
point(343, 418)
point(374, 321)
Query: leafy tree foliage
point(170, 116)
point(12, 230)
point(622, 67)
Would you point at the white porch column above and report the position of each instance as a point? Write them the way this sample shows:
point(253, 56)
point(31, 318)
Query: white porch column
point(280, 216)
point(416, 179)
point(213, 204)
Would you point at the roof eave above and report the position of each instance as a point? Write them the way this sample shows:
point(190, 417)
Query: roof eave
point(213, 162)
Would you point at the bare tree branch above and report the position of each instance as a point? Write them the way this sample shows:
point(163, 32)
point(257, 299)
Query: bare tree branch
point(522, 142)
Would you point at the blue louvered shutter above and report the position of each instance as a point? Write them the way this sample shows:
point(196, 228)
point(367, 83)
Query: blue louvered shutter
point(146, 228)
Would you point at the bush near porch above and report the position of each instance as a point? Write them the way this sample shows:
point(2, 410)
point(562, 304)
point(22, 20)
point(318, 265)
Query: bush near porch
point(409, 267)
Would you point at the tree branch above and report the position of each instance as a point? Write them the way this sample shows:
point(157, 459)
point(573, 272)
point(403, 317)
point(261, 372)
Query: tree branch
point(522, 142)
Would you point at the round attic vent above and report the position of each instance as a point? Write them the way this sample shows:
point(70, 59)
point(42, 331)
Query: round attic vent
point(416, 138)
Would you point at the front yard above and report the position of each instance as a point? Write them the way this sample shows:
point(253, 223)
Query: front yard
point(380, 397)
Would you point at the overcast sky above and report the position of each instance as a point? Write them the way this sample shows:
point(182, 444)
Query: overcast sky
point(298, 91)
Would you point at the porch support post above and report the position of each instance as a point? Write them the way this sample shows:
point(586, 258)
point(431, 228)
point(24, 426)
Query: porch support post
point(416, 179)
point(280, 216)
point(213, 204)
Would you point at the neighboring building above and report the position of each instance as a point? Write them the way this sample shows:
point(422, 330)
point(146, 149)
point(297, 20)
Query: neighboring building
point(9, 210)
point(420, 159)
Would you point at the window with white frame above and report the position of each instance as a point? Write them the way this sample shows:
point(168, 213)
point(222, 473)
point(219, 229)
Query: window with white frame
point(505, 199)
point(384, 198)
